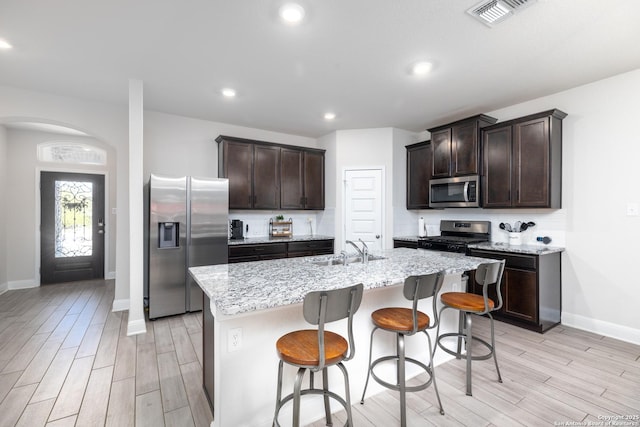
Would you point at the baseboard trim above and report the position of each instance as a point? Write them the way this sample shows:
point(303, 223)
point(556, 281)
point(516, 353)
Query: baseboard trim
point(110, 275)
point(135, 327)
point(4, 287)
point(120, 304)
point(22, 284)
point(612, 330)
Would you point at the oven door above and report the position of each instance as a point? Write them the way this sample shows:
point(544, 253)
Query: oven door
point(459, 192)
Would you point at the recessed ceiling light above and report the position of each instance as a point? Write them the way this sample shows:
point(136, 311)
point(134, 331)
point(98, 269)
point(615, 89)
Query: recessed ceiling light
point(329, 116)
point(228, 92)
point(421, 68)
point(292, 13)
point(5, 44)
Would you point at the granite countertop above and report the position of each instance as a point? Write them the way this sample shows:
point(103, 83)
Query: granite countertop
point(268, 239)
point(408, 238)
point(251, 286)
point(520, 249)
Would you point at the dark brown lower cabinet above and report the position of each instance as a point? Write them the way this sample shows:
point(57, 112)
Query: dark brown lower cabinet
point(309, 248)
point(405, 244)
point(266, 251)
point(531, 288)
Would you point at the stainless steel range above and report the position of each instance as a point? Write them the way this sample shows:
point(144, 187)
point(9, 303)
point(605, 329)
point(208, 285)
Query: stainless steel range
point(456, 235)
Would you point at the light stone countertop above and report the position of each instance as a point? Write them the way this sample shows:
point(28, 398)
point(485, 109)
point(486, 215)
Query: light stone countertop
point(268, 239)
point(519, 249)
point(251, 286)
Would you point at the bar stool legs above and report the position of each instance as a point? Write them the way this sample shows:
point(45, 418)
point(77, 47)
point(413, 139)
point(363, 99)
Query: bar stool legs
point(317, 350)
point(469, 304)
point(406, 322)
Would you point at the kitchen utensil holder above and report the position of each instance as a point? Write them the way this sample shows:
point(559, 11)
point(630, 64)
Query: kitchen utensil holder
point(515, 239)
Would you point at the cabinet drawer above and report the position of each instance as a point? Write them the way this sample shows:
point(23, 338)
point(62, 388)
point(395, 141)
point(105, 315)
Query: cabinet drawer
point(405, 244)
point(266, 249)
point(526, 262)
point(314, 245)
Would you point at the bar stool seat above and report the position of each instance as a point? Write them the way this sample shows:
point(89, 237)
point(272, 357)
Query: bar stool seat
point(465, 301)
point(301, 348)
point(398, 319)
point(468, 304)
point(406, 322)
point(315, 350)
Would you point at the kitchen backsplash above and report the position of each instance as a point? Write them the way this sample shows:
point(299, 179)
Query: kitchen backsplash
point(551, 223)
point(304, 222)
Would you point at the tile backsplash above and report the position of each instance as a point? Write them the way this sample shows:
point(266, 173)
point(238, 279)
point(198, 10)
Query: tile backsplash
point(256, 224)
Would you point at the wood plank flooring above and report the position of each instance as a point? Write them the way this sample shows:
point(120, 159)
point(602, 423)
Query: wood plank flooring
point(65, 360)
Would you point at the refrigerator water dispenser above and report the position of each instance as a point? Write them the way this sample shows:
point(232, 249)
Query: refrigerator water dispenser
point(168, 235)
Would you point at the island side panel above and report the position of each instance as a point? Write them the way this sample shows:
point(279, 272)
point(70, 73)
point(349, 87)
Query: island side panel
point(246, 378)
point(208, 348)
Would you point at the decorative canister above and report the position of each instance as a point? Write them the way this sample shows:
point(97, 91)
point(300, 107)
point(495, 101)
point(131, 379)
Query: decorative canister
point(515, 239)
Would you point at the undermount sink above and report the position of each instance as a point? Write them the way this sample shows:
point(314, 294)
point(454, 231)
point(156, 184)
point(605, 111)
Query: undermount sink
point(337, 260)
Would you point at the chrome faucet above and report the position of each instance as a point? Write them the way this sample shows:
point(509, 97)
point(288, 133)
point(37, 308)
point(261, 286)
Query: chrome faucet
point(343, 255)
point(355, 246)
point(364, 252)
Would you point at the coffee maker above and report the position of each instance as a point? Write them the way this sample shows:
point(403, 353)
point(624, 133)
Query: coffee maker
point(237, 229)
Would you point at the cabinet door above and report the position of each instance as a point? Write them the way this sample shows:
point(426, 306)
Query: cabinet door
point(464, 147)
point(531, 163)
point(266, 177)
point(496, 150)
point(441, 148)
point(520, 294)
point(237, 167)
point(291, 179)
point(313, 180)
point(418, 176)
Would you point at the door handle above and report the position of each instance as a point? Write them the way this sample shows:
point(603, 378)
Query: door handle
point(100, 231)
point(377, 236)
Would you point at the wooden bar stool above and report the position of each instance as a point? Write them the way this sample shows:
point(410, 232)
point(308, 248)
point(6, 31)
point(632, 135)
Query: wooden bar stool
point(316, 350)
point(486, 275)
point(406, 322)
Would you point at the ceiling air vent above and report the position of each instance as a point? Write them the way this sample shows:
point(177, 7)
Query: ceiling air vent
point(495, 11)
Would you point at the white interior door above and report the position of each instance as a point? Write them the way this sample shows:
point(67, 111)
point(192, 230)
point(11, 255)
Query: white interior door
point(363, 207)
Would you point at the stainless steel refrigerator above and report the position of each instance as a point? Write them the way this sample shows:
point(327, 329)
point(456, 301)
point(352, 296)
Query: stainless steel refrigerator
point(188, 227)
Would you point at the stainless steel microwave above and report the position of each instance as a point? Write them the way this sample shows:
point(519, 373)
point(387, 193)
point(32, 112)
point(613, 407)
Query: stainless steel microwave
point(458, 192)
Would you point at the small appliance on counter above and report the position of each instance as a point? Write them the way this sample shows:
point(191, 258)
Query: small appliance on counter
point(237, 229)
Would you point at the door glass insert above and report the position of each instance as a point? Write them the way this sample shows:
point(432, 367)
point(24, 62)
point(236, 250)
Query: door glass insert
point(73, 218)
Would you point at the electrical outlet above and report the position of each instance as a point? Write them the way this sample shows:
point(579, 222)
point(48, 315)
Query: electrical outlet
point(234, 339)
point(455, 287)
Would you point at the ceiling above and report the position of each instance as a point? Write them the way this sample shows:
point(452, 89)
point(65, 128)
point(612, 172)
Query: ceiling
point(351, 57)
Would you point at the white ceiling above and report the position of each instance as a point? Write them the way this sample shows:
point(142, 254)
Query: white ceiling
point(349, 56)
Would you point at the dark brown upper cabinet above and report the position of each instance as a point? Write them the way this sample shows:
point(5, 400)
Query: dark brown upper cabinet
point(263, 175)
point(455, 146)
point(253, 172)
point(419, 169)
point(302, 179)
point(522, 162)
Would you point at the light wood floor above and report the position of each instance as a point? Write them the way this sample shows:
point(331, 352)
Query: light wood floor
point(65, 360)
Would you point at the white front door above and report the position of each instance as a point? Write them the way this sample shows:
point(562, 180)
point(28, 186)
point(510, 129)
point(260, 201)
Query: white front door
point(363, 207)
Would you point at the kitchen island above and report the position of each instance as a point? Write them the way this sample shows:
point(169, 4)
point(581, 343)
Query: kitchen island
point(248, 306)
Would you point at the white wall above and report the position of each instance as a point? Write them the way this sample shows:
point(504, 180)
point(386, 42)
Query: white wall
point(601, 149)
point(24, 257)
point(326, 219)
point(359, 149)
point(3, 209)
